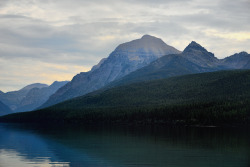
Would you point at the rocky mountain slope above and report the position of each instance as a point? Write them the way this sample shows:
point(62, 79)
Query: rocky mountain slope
point(37, 96)
point(30, 97)
point(4, 109)
point(141, 60)
point(194, 59)
point(13, 98)
point(125, 59)
point(237, 61)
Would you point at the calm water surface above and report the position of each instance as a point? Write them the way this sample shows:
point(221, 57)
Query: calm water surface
point(29, 145)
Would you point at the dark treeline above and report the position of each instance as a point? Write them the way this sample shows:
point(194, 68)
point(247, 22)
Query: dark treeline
point(223, 113)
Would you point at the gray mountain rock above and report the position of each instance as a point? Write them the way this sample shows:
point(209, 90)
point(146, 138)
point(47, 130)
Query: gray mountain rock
point(130, 62)
point(194, 59)
point(35, 85)
point(237, 61)
point(37, 96)
point(125, 59)
point(4, 109)
point(29, 97)
point(13, 98)
point(199, 55)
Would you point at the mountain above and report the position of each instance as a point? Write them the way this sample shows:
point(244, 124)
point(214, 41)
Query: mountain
point(238, 61)
point(4, 109)
point(37, 96)
point(35, 85)
point(125, 59)
point(197, 54)
point(204, 86)
point(29, 97)
point(13, 98)
point(194, 59)
point(214, 98)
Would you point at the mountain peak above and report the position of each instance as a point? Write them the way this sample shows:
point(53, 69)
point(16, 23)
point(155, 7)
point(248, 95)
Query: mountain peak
point(240, 54)
point(126, 58)
point(35, 85)
point(198, 54)
point(243, 53)
point(148, 44)
point(194, 46)
point(146, 36)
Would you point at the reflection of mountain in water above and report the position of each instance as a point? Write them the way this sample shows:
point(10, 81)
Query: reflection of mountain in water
point(25, 147)
point(128, 147)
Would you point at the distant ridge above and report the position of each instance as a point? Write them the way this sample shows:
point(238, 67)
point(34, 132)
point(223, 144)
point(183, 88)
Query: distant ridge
point(37, 96)
point(29, 97)
point(13, 98)
point(238, 61)
point(35, 85)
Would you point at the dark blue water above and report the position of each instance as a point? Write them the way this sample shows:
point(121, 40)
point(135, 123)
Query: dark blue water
point(29, 145)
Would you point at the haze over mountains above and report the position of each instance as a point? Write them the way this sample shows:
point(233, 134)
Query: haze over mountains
point(29, 97)
point(13, 98)
point(37, 96)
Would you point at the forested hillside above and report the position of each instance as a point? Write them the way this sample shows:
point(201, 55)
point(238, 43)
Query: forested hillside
point(209, 98)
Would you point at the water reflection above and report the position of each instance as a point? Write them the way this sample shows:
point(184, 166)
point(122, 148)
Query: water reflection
point(122, 146)
point(11, 158)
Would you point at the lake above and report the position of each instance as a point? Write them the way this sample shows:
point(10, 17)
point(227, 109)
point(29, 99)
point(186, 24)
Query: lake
point(73, 146)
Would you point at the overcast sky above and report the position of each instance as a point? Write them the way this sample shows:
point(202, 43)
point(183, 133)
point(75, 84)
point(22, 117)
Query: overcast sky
point(47, 40)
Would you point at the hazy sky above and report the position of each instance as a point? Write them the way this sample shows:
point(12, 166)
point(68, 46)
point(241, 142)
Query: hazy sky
point(47, 40)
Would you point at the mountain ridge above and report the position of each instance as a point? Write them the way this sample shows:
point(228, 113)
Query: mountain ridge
point(17, 100)
point(37, 96)
point(194, 59)
point(126, 58)
point(34, 85)
point(238, 60)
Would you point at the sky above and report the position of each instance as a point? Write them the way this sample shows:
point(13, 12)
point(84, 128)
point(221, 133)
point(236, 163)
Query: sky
point(46, 40)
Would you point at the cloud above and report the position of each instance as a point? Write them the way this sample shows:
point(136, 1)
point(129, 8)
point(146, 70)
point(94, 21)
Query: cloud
point(24, 72)
point(60, 37)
